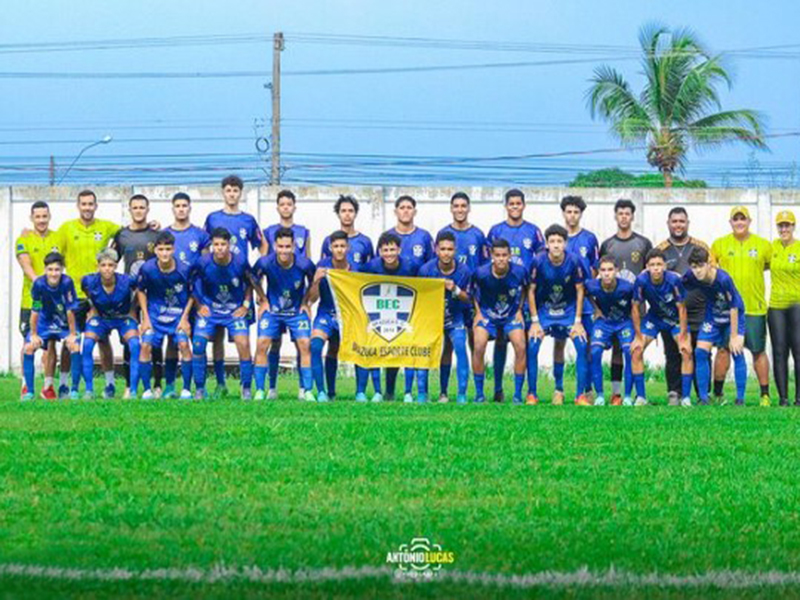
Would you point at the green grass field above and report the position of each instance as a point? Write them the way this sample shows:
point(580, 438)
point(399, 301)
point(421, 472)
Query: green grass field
point(510, 490)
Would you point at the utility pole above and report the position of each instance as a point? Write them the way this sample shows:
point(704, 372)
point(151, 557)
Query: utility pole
point(277, 48)
point(52, 170)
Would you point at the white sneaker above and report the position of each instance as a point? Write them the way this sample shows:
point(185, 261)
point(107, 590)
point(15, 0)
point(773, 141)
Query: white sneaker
point(186, 394)
point(408, 398)
point(640, 401)
point(686, 401)
point(157, 393)
point(626, 401)
point(308, 396)
point(126, 395)
point(377, 397)
point(444, 399)
point(148, 395)
point(272, 395)
point(301, 394)
point(599, 401)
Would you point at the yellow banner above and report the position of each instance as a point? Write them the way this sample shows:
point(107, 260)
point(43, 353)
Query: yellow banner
point(389, 321)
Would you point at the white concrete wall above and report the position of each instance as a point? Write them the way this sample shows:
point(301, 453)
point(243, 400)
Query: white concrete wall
point(708, 213)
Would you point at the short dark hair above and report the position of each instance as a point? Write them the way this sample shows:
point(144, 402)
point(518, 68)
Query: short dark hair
point(514, 193)
point(698, 256)
point(654, 253)
point(575, 201)
point(678, 210)
point(445, 236)
point(608, 259)
point(284, 232)
point(139, 197)
point(624, 203)
point(39, 204)
point(501, 243)
point(345, 200)
point(233, 181)
point(165, 238)
point(286, 194)
point(52, 258)
point(339, 235)
point(221, 233)
point(87, 192)
point(405, 198)
point(387, 238)
point(460, 196)
point(556, 229)
point(181, 196)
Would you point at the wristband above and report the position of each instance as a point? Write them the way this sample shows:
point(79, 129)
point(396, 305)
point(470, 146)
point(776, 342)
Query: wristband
point(535, 319)
point(246, 304)
point(457, 290)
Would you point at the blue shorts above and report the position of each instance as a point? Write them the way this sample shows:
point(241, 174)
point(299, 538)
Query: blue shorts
point(49, 332)
point(102, 327)
point(604, 333)
point(652, 326)
point(327, 323)
point(271, 326)
point(557, 327)
point(505, 326)
point(718, 334)
point(207, 326)
point(155, 337)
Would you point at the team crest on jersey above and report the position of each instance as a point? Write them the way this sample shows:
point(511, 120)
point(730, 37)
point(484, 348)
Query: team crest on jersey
point(473, 249)
point(389, 307)
point(636, 256)
point(178, 288)
point(297, 284)
point(791, 259)
point(235, 250)
point(98, 237)
point(300, 242)
point(182, 256)
point(418, 250)
point(752, 253)
point(235, 282)
point(201, 322)
point(193, 246)
point(584, 251)
point(528, 243)
point(707, 327)
point(243, 233)
point(598, 333)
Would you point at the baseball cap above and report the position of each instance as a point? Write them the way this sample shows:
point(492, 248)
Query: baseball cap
point(785, 216)
point(740, 210)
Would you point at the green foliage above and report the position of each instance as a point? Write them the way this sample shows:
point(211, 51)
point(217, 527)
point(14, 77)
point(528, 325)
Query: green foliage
point(617, 178)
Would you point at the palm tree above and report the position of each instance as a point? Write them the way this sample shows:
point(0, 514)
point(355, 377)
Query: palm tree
point(675, 110)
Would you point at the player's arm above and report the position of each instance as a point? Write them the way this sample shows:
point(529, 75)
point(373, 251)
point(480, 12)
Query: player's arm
point(36, 341)
point(577, 326)
point(308, 245)
point(183, 324)
point(313, 290)
point(247, 302)
point(197, 294)
point(636, 319)
point(536, 330)
point(145, 324)
point(683, 322)
point(72, 338)
point(24, 260)
point(461, 293)
point(736, 343)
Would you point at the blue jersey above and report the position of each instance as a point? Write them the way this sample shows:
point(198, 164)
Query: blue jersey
point(453, 307)
point(416, 247)
point(117, 304)
point(301, 237)
point(663, 298)
point(525, 240)
point(584, 245)
point(721, 296)
point(286, 287)
point(614, 305)
point(326, 303)
point(52, 303)
point(470, 246)
point(221, 287)
point(556, 285)
point(406, 268)
point(167, 293)
point(499, 298)
point(242, 227)
point(359, 251)
point(189, 243)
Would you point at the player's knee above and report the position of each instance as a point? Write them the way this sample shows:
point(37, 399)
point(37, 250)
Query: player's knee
point(199, 345)
point(263, 345)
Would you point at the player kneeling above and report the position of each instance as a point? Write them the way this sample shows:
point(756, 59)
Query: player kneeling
point(723, 325)
point(612, 298)
point(52, 320)
point(110, 296)
point(164, 292)
point(664, 293)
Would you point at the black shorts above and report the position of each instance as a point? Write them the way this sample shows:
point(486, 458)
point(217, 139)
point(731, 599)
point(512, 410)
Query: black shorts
point(24, 321)
point(80, 315)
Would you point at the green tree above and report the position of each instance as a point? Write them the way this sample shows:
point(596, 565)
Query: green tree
point(617, 178)
point(678, 107)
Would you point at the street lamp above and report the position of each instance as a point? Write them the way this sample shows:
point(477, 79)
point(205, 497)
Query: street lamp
point(105, 140)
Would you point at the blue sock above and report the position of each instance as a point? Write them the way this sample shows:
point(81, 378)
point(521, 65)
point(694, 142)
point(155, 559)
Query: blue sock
point(588, 325)
point(479, 378)
point(317, 344)
point(261, 376)
point(219, 372)
point(597, 369)
point(444, 378)
point(686, 385)
point(361, 379)
point(273, 360)
point(409, 380)
point(135, 347)
point(145, 374)
point(306, 380)
point(186, 374)
point(519, 381)
point(422, 383)
point(199, 362)
point(75, 368)
point(703, 369)
point(500, 354)
point(533, 365)
point(558, 375)
point(580, 365)
point(170, 370)
point(246, 374)
point(87, 358)
point(375, 374)
point(331, 370)
point(459, 339)
point(391, 381)
point(638, 382)
point(740, 374)
point(626, 352)
point(29, 370)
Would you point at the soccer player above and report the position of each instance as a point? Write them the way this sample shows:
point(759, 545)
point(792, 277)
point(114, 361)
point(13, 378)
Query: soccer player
point(285, 306)
point(191, 241)
point(723, 325)
point(555, 297)
point(81, 240)
point(326, 324)
point(52, 320)
point(31, 250)
point(628, 249)
point(583, 244)
point(457, 280)
point(498, 293)
point(110, 295)
point(664, 293)
point(222, 290)
point(612, 298)
point(359, 246)
point(745, 256)
point(677, 248)
point(164, 288)
point(390, 262)
point(243, 229)
point(134, 245)
point(525, 240)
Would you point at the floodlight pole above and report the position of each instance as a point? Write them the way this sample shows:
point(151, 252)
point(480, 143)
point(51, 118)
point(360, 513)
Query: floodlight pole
point(277, 48)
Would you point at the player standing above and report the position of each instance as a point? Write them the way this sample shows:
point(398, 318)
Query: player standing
point(191, 241)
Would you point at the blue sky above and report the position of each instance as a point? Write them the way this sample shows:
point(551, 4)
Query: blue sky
point(200, 123)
